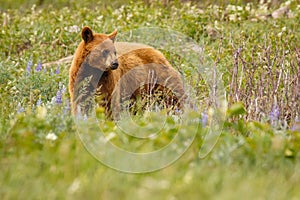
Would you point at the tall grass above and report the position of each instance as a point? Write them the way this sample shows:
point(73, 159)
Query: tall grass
point(256, 56)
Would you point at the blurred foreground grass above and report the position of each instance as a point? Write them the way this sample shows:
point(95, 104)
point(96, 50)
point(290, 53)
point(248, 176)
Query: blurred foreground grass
point(256, 52)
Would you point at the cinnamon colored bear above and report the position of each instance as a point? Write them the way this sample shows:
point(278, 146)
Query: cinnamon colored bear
point(119, 71)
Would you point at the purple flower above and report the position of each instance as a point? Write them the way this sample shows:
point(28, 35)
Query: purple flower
point(39, 67)
point(29, 64)
point(177, 111)
point(85, 117)
point(39, 102)
point(296, 125)
point(59, 94)
point(274, 114)
point(58, 97)
point(20, 109)
point(63, 89)
point(57, 70)
point(204, 120)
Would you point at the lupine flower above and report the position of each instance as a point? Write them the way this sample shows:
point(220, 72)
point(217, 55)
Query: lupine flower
point(58, 97)
point(204, 118)
point(29, 64)
point(85, 117)
point(62, 89)
point(39, 67)
point(57, 70)
point(177, 110)
point(274, 114)
point(296, 125)
point(20, 109)
point(39, 102)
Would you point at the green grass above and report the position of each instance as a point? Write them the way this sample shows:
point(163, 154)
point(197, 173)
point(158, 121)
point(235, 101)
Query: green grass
point(256, 156)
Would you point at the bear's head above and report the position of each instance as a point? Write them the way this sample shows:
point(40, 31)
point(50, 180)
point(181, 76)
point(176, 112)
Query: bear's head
point(99, 50)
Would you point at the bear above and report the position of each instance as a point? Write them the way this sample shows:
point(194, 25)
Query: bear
point(120, 71)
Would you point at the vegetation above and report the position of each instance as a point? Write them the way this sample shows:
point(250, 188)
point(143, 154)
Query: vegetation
point(253, 48)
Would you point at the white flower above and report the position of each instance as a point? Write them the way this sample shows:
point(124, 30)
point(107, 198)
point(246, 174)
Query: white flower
point(74, 186)
point(51, 136)
point(99, 18)
point(248, 7)
point(72, 29)
point(287, 3)
point(232, 17)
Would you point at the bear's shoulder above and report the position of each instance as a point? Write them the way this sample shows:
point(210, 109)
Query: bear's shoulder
point(125, 47)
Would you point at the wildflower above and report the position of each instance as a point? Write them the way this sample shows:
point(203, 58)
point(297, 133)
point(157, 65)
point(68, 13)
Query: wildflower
point(72, 29)
point(177, 110)
point(51, 136)
point(85, 117)
point(204, 118)
point(62, 89)
point(74, 186)
point(20, 109)
point(274, 114)
point(29, 64)
point(232, 17)
point(39, 102)
point(39, 67)
point(58, 96)
point(57, 70)
point(67, 107)
point(296, 125)
point(239, 8)
point(248, 7)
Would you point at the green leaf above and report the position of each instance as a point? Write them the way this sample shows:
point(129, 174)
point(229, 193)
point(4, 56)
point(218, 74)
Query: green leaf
point(236, 109)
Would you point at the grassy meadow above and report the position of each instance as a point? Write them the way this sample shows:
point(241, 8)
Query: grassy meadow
point(254, 47)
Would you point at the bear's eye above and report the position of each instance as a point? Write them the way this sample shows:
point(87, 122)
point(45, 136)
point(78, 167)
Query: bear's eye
point(105, 52)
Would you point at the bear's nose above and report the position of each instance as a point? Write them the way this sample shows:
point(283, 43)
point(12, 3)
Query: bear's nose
point(114, 64)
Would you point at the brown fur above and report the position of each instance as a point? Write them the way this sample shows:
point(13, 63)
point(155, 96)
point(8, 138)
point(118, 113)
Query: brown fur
point(135, 62)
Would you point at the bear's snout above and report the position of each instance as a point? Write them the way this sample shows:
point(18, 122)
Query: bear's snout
point(114, 65)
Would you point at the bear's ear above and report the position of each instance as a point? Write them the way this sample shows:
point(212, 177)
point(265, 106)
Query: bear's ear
point(112, 35)
point(87, 34)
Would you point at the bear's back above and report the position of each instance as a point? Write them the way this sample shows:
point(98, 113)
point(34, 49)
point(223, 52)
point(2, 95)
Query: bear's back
point(125, 47)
